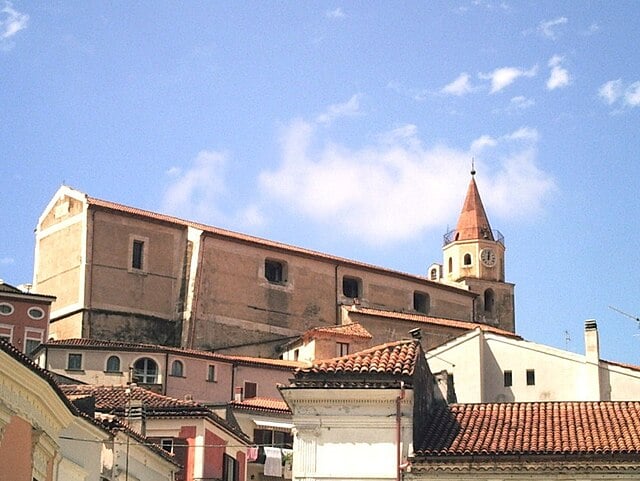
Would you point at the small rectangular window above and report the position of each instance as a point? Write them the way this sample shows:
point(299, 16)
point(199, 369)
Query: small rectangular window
point(167, 444)
point(137, 254)
point(531, 377)
point(351, 287)
point(31, 345)
point(250, 390)
point(342, 349)
point(508, 379)
point(211, 373)
point(74, 362)
point(421, 302)
point(274, 271)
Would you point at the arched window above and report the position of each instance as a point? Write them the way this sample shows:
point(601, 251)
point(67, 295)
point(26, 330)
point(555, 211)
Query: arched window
point(113, 364)
point(450, 264)
point(145, 371)
point(177, 368)
point(489, 300)
point(467, 259)
point(434, 274)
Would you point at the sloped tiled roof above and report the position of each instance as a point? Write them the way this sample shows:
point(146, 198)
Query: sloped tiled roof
point(114, 400)
point(438, 321)
point(532, 428)
point(140, 347)
point(353, 330)
point(264, 404)
point(390, 362)
point(473, 222)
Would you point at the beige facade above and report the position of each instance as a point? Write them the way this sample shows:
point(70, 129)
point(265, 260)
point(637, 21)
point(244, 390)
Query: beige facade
point(121, 273)
point(181, 374)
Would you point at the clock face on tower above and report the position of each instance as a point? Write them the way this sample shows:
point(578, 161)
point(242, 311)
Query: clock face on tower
point(488, 257)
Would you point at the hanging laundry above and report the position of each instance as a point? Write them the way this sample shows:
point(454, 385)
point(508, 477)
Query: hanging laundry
point(252, 453)
point(273, 462)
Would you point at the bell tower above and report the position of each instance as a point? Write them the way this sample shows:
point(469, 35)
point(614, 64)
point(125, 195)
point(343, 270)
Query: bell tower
point(474, 258)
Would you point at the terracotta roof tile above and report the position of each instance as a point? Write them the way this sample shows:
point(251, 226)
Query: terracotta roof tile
point(439, 321)
point(114, 400)
point(532, 428)
point(473, 222)
point(352, 330)
point(262, 404)
point(385, 363)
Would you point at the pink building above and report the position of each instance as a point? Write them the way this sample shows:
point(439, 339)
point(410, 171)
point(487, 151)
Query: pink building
point(24, 317)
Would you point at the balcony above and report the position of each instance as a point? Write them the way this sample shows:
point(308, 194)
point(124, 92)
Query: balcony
point(495, 235)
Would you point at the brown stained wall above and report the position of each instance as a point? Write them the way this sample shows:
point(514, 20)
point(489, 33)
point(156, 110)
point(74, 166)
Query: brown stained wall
point(236, 305)
point(67, 327)
point(153, 292)
point(60, 262)
point(390, 330)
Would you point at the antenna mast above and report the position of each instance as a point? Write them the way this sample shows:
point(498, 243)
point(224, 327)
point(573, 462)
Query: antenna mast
point(635, 318)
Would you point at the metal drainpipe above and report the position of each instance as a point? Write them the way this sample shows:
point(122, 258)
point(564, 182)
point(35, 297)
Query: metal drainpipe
point(399, 432)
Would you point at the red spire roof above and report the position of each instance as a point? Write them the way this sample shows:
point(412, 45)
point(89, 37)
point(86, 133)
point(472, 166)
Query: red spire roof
point(473, 222)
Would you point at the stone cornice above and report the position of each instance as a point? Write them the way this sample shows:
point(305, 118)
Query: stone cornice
point(582, 463)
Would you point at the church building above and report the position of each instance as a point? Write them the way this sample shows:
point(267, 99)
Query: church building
point(123, 273)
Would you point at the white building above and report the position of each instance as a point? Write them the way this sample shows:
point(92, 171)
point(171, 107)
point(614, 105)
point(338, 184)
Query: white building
point(492, 367)
point(374, 415)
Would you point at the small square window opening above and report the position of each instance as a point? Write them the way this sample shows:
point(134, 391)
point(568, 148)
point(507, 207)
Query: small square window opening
point(531, 377)
point(351, 287)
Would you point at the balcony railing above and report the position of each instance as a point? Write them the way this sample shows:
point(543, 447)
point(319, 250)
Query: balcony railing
point(450, 237)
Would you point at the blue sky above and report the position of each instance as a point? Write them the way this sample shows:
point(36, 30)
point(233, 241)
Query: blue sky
point(347, 128)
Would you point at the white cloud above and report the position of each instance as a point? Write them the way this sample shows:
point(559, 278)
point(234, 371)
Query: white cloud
point(5, 261)
point(611, 91)
point(349, 108)
point(632, 95)
point(335, 13)
point(548, 28)
point(194, 193)
point(559, 76)
point(521, 102)
point(481, 142)
point(459, 86)
point(395, 188)
point(12, 21)
point(505, 76)
point(173, 171)
point(614, 91)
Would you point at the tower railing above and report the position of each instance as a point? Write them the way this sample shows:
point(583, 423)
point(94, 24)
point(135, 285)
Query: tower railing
point(450, 237)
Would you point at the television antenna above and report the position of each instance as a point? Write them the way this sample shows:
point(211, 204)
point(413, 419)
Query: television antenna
point(630, 316)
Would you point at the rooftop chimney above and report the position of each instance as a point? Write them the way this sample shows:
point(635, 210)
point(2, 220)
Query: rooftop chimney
point(591, 341)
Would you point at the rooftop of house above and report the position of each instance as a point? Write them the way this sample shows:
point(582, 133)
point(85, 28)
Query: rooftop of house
point(390, 362)
point(261, 404)
point(92, 344)
point(115, 400)
point(12, 291)
point(111, 427)
point(352, 330)
point(423, 318)
point(531, 428)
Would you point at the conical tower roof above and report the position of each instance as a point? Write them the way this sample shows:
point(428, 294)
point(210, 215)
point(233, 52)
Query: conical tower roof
point(473, 222)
